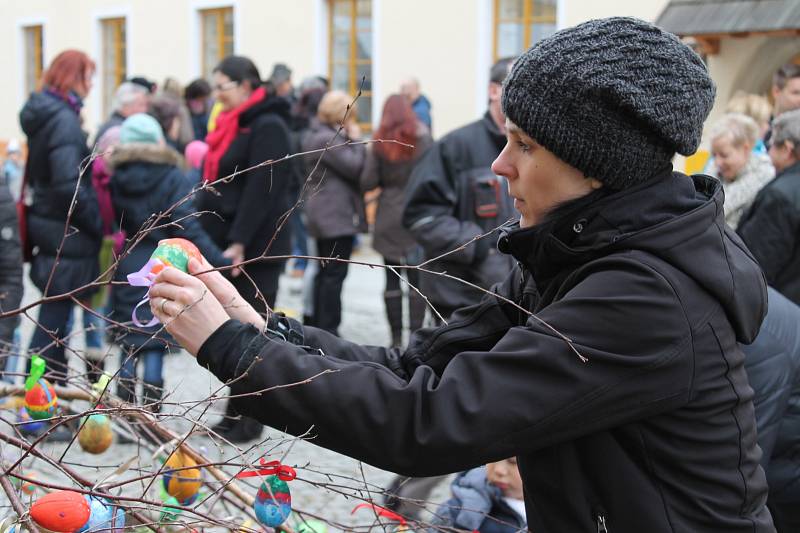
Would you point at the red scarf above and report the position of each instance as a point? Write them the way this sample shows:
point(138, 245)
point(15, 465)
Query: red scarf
point(223, 135)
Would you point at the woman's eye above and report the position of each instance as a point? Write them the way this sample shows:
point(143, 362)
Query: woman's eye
point(524, 147)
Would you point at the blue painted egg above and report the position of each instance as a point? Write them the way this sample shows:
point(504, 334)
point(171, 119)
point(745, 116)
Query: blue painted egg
point(273, 503)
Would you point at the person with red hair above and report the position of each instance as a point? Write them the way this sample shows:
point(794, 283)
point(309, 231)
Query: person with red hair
point(389, 166)
point(65, 247)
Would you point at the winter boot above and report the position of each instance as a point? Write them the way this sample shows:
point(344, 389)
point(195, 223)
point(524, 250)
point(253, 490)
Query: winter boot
point(228, 419)
point(394, 314)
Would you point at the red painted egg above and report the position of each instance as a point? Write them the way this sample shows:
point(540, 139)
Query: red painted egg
point(41, 400)
point(63, 511)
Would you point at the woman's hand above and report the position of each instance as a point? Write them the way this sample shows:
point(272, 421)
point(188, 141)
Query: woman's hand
point(225, 293)
point(235, 252)
point(186, 307)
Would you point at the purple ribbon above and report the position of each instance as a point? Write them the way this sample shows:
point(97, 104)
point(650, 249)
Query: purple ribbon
point(144, 278)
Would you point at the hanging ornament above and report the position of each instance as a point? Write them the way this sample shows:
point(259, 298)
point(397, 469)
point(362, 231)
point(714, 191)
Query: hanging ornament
point(66, 511)
point(26, 487)
point(402, 524)
point(273, 503)
point(180, 479)
point(169, 252)
point(40, 397)
point(95, 434)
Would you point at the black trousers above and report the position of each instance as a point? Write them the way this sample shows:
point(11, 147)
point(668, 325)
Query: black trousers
point(329, 281)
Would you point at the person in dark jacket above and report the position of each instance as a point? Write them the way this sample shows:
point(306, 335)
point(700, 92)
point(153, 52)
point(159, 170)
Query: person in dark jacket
point(198, 100)
point(419, 102)
point(333, 202)
point(244, 214)
point(129, 98)
point(147, 180)
point(10, 279)
point(772, 362)
point(607, 362)
point(453, 197)
point(65, 251)
point(484, 500)
point(771, 228)
point(389, 166)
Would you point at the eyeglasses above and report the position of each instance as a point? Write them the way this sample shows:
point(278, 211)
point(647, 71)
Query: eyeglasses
point(219, 87)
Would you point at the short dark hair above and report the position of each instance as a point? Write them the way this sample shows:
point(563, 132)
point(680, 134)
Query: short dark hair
point(198, 88)
point(240, 69)
point(499, 71)
point(151, 86)
point(784, 74)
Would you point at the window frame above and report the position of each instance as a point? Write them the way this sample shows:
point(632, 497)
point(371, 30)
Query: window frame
point(353, 62)
point(527, 20)
point(218, 12)
point(38, 55)
point(118, 26)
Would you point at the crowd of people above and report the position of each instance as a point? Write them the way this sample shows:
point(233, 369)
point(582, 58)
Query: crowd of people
point(597, 237)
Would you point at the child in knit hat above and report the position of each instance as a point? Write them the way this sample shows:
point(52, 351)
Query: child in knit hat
point(608, 360)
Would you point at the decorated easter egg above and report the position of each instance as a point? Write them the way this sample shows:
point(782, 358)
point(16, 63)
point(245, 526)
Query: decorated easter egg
point(64, 511)
point(104, 516)
point(273, 502)
point(95, 435)
point(26, 487)
point(27, 424)
point(175, 253)
point(182, 484)
point(41, 400)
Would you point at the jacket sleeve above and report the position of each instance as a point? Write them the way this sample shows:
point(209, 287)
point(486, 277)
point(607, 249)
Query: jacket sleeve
point(187, 224)
point(10, 265)
point(526, 391)
point(65, 158)
point(430, 210)
point(265, 188)
point(770, 230)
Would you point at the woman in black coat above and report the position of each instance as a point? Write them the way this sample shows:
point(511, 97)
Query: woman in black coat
point(606, 362)
point(64, 259)
point(146, 180)
point(244, 215)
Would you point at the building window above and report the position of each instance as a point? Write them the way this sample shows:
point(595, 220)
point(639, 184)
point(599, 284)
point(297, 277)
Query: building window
point(217, 28)
point(34, 62)
point(114, 66)
point(519, 24)
point(350, 53)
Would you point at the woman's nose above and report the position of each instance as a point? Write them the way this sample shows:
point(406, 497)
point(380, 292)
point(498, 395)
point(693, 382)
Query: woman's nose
point(501, 167)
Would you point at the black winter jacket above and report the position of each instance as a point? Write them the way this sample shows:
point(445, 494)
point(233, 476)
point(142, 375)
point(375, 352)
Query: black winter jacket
point(771, 228)
point(773, 366)
point(249, 208)
point(452, 197)
point(56, 151)
point(145, 182)
point(654, 432)
point(10, 264)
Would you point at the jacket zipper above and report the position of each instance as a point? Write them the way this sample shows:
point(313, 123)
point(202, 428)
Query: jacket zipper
point(601, 523)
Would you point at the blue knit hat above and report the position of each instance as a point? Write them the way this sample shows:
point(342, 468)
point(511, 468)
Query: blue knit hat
point(140, 128)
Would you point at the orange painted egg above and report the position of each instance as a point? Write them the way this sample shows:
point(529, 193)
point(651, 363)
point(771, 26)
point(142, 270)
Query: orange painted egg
point(182, 484)
point(63, 511)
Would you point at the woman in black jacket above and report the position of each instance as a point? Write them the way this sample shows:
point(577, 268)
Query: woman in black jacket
point(607, 362)
point(65, 253)
point(147, 180)
point(244, 215)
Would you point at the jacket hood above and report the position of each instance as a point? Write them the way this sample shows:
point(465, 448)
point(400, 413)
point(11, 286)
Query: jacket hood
point(38, 110)
point(139, 167)
point(677, 218)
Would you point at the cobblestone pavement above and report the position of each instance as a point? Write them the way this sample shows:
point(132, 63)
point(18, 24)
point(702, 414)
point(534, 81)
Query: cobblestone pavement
point(363, 321)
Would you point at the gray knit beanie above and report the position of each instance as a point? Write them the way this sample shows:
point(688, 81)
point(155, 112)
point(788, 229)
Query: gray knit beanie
point(614, 98)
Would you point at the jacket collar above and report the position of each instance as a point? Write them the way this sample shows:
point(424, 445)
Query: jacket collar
point(145, 153)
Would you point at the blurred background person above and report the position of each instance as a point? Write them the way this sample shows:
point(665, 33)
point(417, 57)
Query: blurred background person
point(742, 170)
point(194, 153)
point(184, 133)
point(334, 206)
point(198, 99)
point(389, 167)
point(13, 167)
point(756, 107)
point(166, 110)
point(419, 102)
point(785, 92)
point(281, 80)
point(244, 214)
point(771, 227)
point(57, 152)
point(146, 179)
point(129, 98)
